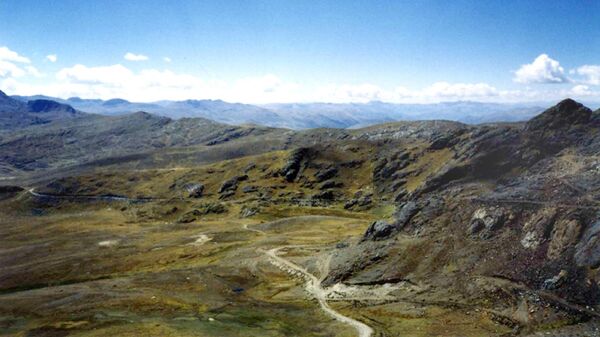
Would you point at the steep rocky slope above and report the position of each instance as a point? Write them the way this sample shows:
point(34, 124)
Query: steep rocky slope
point(511, 220)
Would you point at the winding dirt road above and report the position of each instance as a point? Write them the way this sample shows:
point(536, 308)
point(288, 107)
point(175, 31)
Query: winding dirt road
point(313, 286)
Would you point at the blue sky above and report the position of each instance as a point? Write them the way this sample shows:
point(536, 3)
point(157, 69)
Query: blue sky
point(276, 51)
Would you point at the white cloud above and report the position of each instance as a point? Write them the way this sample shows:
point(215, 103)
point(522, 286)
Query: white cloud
point(114, 75)
point(459, 90)
point(135, 57)
point(582, 91)
point(167, 59)
point(8, 63)
point(31, 70)
point(439, 91)
point(591, 74)
point(542, 70)
point(52, 58)
point(10, 69)
point(12, 56)
point(119, 81)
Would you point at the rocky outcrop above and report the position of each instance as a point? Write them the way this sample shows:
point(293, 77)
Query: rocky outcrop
point(248, 211)
point(292, 167)
point(556, 281)
point(231, 185)
point(324, 196)
point(565, 234)
point(249, 189)
point(538, 227)
point(330, 184)
point(194, 190)
point(405, 213)
point(486, 220)
point(587, 253)
point(378, 230)
point(204, 209)
point(360, 201)
point(326, 174)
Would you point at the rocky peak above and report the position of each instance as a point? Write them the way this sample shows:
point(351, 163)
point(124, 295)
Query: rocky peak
point(563, 115)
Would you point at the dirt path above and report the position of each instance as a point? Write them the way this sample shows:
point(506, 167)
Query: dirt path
point(313, 286)
point(253, 229)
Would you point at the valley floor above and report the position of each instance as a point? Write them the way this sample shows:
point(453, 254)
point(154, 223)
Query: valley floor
point(90, 269)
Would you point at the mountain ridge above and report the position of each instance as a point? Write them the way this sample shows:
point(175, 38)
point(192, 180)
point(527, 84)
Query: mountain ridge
point(310, 115)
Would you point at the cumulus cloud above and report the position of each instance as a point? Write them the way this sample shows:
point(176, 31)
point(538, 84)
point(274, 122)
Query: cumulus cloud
point(10, 69)
point(135, 57)
point(52, 58)
point(119, 81)
point(542, 70)
point(11, 63)
point(582, 91)
point(590, 73)
point(12, 56)
point(114, 75)
point(167, 59)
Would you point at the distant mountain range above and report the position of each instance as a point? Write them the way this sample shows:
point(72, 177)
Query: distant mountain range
point(306, 115)
point(16, 114)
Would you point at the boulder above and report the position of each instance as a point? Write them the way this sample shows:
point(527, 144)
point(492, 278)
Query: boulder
point(378, 230)
point(249, 211)
point(405, 213)
point(194, 190)
point(486, 220)
point(249, 189)
point(538, 228)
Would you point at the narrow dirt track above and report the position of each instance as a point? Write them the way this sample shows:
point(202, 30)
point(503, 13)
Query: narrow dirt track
point(313, 286)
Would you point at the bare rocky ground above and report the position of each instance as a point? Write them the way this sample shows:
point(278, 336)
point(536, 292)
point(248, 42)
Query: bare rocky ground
point(412, 229)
